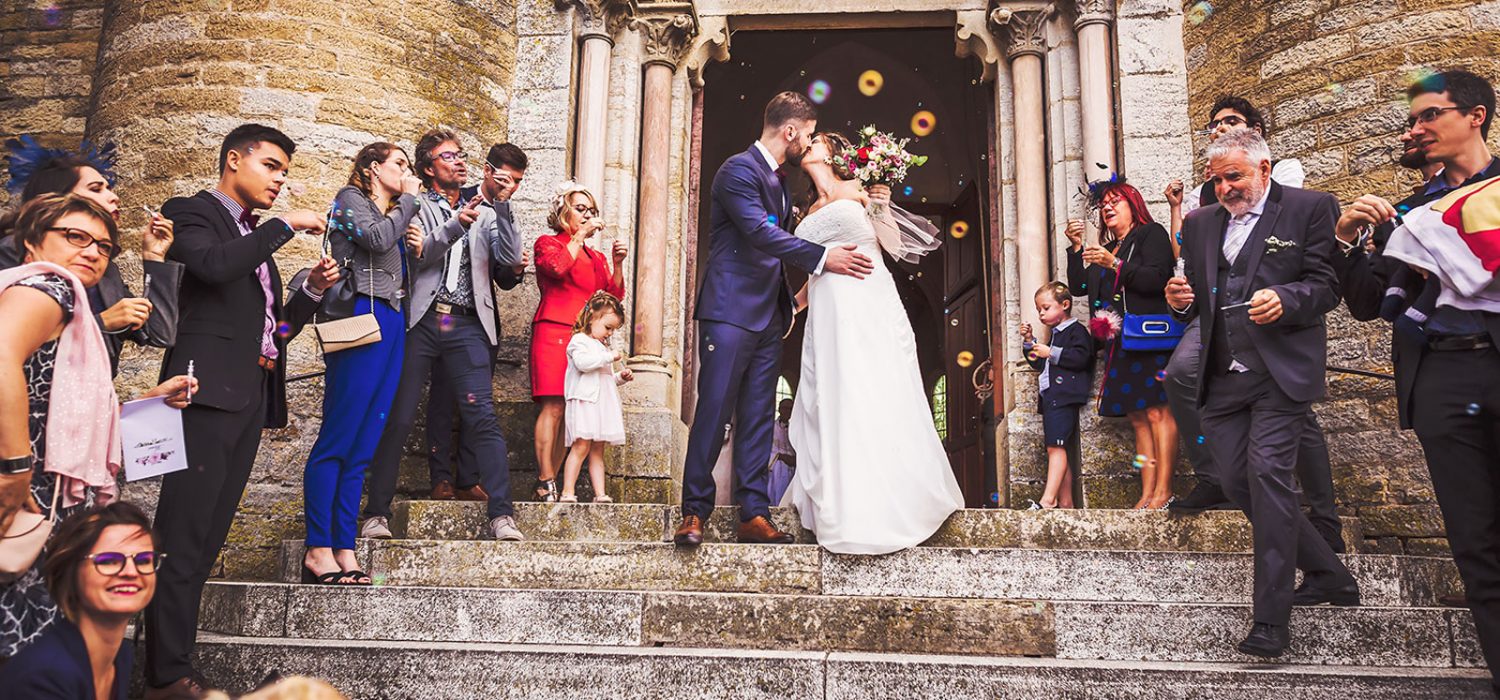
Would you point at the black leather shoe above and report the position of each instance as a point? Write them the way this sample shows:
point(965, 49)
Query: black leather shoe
point(1205, 496)
point(1266, 641)
point(1314, 593)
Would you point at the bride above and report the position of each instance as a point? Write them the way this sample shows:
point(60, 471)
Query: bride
point(872, 475)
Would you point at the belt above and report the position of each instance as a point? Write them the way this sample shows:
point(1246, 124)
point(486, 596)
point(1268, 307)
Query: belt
point(452, 310)
point(1451, 343)
point(266, 363)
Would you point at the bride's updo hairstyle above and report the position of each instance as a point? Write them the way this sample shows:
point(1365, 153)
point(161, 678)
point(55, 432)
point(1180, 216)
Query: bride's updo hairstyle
point(836, 144)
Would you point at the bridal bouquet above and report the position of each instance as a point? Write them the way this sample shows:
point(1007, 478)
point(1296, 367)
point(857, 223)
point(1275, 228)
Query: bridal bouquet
point(879, 159)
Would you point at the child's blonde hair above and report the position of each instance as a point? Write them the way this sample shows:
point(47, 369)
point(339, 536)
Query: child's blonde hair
point(1059, 291)
point(601, 302)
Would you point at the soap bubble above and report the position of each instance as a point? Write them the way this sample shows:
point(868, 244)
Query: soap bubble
point(923, 122)
point(1161, 376)
point(1031, 355)
point(1336, 88)
point(52, 15)
point(870, 83)
point(284, 330)
point(994, 497)
point(772, 218)
point(907, 191)
point(958, 229)
point(1140, 462)
point(818, 91)
point(1199, 12)
point(1472, 409)
point(965, 358)
point(1202, 439)
point(445, 322)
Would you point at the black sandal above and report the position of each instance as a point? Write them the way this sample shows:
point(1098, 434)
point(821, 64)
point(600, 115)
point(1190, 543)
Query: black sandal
point(545, 490)
point(331, 578)
point(358, 578)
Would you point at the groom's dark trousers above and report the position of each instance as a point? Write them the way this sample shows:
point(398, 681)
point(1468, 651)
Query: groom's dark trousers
point(744, 308)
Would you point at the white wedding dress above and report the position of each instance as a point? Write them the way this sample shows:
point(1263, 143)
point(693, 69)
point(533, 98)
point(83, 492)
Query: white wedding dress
point(872, 475)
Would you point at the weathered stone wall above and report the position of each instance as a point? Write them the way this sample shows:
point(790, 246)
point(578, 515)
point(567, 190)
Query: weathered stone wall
point(173, 77)
point(1330, 75)
point(47, 55)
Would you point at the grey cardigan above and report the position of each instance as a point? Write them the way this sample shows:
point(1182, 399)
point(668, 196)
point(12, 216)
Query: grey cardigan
point(378, 249)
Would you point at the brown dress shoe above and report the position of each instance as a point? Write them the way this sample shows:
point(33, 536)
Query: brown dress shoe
point(759, 530)
point(442, 491)
point(186, 688)
point(690, 532)
point(472, 493)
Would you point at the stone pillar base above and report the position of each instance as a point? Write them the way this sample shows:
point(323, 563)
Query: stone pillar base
point(648, 467)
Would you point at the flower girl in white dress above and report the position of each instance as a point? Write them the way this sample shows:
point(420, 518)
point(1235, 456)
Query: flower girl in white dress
point(593, 415)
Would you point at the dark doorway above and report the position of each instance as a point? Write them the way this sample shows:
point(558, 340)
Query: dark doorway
point(946, 295)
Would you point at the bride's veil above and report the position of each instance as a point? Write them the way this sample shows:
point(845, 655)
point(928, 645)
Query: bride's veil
point(904, 235)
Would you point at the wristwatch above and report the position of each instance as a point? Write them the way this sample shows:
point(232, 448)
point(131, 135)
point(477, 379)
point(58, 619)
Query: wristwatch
point(16, 465)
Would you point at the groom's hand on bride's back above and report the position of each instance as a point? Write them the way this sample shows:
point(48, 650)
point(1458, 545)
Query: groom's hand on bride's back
point(847, 260)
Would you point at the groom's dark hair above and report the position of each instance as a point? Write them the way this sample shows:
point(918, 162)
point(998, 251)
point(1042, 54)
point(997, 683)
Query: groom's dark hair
point(788, 106)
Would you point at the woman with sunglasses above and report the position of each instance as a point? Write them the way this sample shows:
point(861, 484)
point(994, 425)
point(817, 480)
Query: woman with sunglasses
point(568, 272)
point(59, 447)
point(102, 571)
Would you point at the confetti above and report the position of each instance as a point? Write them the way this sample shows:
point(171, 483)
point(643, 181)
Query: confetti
point(958, 229)
point(965, 358)
point(923, 122)
point(870, 83)
point(818, 91)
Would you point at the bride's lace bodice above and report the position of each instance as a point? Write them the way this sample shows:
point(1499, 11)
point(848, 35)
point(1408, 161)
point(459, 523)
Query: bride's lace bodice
point(837, 223)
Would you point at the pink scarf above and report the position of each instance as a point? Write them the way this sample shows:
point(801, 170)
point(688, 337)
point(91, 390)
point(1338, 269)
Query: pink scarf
point(83, 412)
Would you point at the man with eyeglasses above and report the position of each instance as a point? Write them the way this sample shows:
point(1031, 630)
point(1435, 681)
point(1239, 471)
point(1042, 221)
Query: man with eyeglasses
point(1447, 365)
point(504, 169)
point(451, 316)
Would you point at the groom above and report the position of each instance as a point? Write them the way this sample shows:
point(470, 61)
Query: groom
point(744, 309)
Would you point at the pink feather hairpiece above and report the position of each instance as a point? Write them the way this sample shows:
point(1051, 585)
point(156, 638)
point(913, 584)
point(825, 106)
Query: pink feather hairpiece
point(1104, 325)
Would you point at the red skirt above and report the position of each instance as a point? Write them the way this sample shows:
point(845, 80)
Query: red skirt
point(549, 358)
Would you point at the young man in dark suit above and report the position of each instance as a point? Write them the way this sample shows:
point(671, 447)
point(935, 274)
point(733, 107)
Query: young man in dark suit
point(1261, 281)
point(233, 331)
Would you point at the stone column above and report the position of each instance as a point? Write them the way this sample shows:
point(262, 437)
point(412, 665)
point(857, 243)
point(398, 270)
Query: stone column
point(1096, 78)
point(666, 30)
point(599, 21)
point(1022, 32)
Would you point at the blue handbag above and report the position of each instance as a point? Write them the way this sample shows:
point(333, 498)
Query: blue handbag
point(1147, 332)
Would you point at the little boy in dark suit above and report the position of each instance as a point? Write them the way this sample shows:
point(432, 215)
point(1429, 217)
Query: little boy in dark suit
point(1067, 367)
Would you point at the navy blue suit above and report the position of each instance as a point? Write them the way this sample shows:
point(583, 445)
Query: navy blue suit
point(56, 667)
point(744, 309)
point(1071, 375)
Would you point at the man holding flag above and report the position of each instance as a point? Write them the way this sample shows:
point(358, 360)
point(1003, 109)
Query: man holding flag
point(1433, 277)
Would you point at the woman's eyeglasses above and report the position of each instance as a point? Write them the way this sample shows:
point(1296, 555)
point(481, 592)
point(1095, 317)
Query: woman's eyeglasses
point(1427, 116)
point(1228, 120)
point(112, 563)
point(82, 240)
point(585, 209)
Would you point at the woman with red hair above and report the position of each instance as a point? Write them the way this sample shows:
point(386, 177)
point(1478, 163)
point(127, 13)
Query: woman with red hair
point(1127, 270)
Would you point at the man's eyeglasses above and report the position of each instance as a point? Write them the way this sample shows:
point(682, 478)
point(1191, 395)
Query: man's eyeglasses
point(1228, 120)
point(585, 209)
point(112, 563)
point(82, 240)
point(1427, 116)
point(451, 156)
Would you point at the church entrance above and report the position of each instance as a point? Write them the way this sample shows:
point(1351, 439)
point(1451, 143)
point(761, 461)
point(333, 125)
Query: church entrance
point(907, 82)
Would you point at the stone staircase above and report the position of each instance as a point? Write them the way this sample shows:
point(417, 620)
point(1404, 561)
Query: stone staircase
point(998, 604)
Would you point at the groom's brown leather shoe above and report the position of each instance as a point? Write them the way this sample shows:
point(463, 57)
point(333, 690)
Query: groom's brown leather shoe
point(690, 532)
point(759, 530)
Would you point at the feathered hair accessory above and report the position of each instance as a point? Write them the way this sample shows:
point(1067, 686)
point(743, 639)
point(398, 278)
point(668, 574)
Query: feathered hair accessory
point(1093, 193)
point(1104, 325)
point(27, 156)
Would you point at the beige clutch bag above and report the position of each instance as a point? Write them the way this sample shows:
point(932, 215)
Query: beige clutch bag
point(23, 542)
point(347, 333)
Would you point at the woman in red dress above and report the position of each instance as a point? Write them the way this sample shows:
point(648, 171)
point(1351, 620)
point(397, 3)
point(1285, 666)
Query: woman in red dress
point(568, 272)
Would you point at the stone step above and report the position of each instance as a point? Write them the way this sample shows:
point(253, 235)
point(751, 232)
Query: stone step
point(428, 670)
point(1214, 531)
point(1429, 637)
point(922, 572)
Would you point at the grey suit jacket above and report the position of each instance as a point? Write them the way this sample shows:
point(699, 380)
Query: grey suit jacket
point(1290, 251)
point(441, 231)
point(161, 326)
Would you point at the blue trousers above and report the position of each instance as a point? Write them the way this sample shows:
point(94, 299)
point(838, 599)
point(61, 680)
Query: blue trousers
point(737, 371)
point(359, 386)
